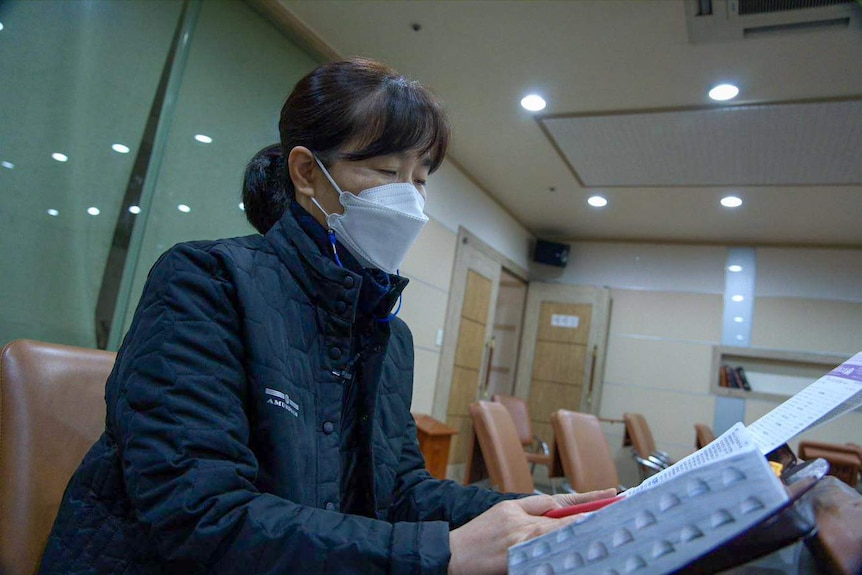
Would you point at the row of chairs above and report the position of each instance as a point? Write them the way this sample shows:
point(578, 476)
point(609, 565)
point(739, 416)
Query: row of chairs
point(581, 448)
point(53, 410)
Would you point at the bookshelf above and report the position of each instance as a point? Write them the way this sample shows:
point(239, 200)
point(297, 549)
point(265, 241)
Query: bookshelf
point(774, 374)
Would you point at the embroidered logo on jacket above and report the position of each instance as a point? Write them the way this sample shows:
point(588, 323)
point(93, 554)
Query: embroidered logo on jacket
point(283, 401)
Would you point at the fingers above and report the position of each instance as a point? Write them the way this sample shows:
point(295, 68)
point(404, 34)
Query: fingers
point(536, 504)
point(567, 499)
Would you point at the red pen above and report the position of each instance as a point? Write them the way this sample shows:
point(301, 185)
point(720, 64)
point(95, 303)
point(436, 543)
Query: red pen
point(582, 507)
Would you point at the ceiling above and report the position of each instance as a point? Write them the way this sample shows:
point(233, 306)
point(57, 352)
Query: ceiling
point(627, 104)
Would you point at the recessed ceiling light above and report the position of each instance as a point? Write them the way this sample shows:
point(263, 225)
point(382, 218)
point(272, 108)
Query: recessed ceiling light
point(242, 206)
point(53, 212)
point(7, 165)
point(184, 208)
point(94, 211)
point(597, 201)
point(533, 102)
point(60, 157)
point(134, 209)
point(740, 338)
point(738, 319)
point(737, 298)
point(734, 268)
point(1, 25)
point(203, 138)
point(120, 148)
point(731, 202)
point(724, 92)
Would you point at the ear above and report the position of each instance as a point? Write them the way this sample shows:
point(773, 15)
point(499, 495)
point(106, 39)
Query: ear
point(301, 168)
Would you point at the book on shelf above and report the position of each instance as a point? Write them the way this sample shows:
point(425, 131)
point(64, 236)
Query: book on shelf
point(704, 501)
point(733, 377)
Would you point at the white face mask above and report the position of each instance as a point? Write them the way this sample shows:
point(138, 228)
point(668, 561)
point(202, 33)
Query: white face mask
point(379, 224)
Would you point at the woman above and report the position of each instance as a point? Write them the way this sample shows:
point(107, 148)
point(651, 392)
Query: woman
point(258, 412)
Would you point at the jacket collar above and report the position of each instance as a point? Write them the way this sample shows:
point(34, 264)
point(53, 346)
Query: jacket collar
point(334, 288)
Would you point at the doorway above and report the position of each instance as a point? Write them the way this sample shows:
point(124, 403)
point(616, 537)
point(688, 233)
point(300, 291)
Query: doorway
point(481, 336)
point(562, 354)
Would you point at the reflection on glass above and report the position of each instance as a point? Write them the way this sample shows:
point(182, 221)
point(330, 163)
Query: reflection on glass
point(74, 76)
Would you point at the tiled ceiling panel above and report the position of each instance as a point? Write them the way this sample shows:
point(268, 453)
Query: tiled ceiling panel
point(812, 143)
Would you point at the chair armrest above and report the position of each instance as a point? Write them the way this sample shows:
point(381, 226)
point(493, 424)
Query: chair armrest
point(648, 463)
point(544, 446)
point(662, 456)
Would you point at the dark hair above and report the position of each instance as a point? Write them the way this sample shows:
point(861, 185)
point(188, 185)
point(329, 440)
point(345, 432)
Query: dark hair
point(359, 102)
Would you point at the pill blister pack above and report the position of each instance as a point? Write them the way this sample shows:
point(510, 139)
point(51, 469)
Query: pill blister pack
point(660, 530)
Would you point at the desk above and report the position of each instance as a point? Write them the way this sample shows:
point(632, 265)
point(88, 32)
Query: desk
point(434, 439)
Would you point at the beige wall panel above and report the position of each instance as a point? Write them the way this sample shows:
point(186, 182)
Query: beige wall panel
point(847, 428)
point(477, 298)
point(432, 256)
point(670, 415)
point(459, 448)
point(423, 307)
point(546, 398)
point(465, 383)
point(424, 376)
point(659, 364)
point(807, 325)
point(667, 314)
point(471, 344)
point(548, 332)
point(559, 362)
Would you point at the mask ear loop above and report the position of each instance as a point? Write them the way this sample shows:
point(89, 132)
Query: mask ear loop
point(331, 235)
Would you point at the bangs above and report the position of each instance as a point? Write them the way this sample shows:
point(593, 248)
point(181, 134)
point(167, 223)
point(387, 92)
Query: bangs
point(399, 117)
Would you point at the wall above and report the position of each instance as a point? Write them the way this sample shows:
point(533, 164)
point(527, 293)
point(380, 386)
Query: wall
point(666, 315)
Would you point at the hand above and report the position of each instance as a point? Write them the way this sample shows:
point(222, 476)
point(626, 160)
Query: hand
point(480, 546)
point(569, 499)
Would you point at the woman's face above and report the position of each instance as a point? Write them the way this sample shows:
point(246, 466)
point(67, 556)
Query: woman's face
point(355, 176)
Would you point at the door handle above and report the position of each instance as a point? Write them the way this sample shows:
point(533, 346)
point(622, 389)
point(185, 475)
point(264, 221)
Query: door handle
point(489, 358)
point(594, 354)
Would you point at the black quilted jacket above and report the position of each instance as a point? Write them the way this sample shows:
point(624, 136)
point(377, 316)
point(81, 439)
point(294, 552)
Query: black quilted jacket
point(230, 446)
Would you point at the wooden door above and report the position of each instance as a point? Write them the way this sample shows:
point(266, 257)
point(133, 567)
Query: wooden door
point(464, 358)
point(562, 351)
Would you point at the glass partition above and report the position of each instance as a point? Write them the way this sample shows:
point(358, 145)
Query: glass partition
point(76, 84)
point(240, 69)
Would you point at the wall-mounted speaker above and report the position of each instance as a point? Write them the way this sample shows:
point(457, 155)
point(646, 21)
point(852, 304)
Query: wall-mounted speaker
point(551, 253)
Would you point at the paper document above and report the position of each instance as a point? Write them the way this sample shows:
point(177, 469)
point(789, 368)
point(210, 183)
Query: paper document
point(733, 441)
point(832, 395)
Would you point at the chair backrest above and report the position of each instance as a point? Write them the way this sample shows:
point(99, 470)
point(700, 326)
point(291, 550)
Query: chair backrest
point(845, 461)
point(53, 410)
point(520, 415)
point(639, 433)
point(504, 457)
point(584, 451)
point(703, 435)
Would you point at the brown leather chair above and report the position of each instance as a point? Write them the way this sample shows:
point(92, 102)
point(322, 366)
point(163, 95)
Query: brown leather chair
point(845, 461)
point(583, 451)
point(501, 448)
point(536, 450)
point(644, 452)
point(703, 435)
point(53, 410)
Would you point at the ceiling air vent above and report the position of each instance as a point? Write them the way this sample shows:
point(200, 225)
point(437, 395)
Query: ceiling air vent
point(723, 20)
